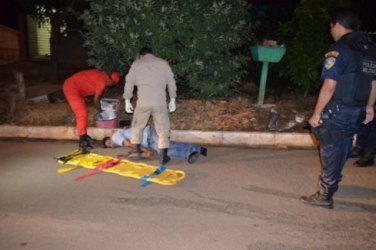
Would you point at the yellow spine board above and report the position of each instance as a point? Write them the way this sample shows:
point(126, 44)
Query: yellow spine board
point(126, 168)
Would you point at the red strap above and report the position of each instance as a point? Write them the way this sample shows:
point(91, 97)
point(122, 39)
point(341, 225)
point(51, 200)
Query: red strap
point(104, 165)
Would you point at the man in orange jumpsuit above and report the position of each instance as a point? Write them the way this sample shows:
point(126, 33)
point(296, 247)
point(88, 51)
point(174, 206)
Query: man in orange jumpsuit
point(90, 82)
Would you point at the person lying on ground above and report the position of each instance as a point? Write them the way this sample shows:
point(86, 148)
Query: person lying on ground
point(149, 145)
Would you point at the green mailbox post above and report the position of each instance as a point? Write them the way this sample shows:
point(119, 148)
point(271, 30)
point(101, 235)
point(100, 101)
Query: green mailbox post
point(265, 55)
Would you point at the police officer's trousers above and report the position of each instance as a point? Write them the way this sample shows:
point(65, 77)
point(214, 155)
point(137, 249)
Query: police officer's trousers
point(334, 155)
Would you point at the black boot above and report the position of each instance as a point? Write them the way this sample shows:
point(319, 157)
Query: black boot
point(320, 198)
point(164, 158)
point(135, 153)
point(84, 143)
point(356, 152)
point(367, 159)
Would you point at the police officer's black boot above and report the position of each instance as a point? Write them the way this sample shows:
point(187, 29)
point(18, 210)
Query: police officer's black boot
point(135, 153)
point(356, 152)
point(320, 198)
point(164, 158)
point(84, 143)
point(367, 159)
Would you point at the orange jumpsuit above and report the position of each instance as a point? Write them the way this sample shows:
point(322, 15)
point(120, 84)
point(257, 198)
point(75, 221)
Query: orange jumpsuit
point(77, 87)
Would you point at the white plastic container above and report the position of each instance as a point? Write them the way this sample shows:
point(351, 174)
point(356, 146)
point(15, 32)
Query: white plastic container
point(110, 104)
point(108, 117)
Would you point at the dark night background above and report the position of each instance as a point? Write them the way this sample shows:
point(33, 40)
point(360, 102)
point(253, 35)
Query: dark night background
point(8, 13)
point(364, 8)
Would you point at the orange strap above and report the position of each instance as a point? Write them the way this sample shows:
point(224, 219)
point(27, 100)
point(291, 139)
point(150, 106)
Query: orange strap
point(104, 165)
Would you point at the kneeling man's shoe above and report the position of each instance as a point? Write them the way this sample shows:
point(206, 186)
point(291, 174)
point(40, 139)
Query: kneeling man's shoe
point(320, 198)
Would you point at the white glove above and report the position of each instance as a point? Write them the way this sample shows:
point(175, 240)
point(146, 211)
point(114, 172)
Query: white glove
point(128, 106)
point(171, 105)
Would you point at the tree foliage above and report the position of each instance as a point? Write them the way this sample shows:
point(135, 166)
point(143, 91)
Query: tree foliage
point(44, 10)
point(201, 39)
point(307, 38)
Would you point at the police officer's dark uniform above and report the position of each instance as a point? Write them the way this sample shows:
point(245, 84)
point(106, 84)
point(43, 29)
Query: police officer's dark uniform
point(342, 116)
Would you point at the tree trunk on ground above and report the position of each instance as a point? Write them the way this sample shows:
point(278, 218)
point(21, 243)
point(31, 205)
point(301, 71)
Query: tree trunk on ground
point(15, 95)
point(20, 81)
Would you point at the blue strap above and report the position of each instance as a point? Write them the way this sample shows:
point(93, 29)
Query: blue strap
point(144, 179)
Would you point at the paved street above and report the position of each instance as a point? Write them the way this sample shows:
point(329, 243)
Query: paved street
point(236, 198)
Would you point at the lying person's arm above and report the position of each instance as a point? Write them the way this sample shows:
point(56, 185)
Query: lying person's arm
point(145, 152)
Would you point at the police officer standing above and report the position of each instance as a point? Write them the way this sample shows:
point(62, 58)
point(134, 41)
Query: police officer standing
point(346, 100)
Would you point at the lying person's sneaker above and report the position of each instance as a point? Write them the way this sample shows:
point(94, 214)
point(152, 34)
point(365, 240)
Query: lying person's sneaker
point(192, 158)
point(320, 198)
point(204, 151)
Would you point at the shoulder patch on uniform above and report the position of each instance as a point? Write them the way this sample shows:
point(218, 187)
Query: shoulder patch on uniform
point(329, 62)
point(332, 53)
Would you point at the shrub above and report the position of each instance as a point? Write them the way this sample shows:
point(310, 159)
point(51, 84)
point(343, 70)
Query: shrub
point(200, 39)
point(307, 38)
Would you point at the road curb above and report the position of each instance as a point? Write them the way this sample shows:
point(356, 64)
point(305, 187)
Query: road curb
point(215, 138)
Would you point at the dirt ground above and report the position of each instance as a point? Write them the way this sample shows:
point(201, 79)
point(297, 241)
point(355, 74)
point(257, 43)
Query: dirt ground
point(239, 113)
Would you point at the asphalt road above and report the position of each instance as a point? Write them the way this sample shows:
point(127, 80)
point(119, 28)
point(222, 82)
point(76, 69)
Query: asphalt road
point(236, 198)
